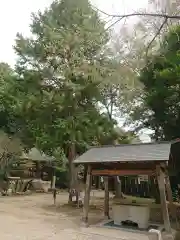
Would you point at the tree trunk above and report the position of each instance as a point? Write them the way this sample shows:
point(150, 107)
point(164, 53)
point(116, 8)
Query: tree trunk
point(118, 188)
point(72, 172)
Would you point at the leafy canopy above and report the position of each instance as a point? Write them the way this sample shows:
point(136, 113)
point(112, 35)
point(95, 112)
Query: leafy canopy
point(59, 78)
point(161, 79)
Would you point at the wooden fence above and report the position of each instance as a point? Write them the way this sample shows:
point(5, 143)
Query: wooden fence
point(135, 187)
point(130, 186)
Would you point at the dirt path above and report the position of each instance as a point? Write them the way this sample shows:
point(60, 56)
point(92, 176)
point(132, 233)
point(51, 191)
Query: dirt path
point(35, 218)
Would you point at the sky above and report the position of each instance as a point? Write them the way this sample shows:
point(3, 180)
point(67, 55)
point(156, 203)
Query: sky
point(15, 16)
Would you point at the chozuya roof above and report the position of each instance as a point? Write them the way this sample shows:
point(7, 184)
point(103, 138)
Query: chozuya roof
point(158, 151)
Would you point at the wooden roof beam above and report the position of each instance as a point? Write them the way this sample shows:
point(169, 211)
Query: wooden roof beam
point(122, 172)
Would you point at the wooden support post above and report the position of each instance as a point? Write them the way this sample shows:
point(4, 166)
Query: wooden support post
point(99, 179)
point(168, 188)
point(170, 199)
point(87, 198)
point(161, 183)
point(106, 197)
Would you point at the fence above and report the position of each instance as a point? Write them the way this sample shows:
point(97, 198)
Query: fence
point(130, 186)
point(134, 187)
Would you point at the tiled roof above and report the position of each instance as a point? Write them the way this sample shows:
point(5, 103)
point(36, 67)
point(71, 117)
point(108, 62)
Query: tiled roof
point(35, 155)
point(127, 153)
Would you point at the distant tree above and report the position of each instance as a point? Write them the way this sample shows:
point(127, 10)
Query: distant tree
point(160, 109)
point(10, 151)
point(59, 70)
point(62, 78)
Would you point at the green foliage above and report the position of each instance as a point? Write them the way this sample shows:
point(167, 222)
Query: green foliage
point(161, 79)
point(60, 93)
point(60, 77)
point(10, 150)
point(52, 100)
point(7, 99)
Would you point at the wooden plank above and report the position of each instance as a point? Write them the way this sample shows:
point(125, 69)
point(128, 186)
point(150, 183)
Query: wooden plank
point(170, 199)
point(161, 183)
point(106, 197)
point(125, 165)
point(121, 172)
point(87, 197)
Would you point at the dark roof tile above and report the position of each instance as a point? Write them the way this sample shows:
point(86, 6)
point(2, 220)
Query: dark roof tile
point(127, 153)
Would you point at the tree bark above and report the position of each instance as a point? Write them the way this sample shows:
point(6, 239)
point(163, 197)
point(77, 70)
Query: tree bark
point(72, 172)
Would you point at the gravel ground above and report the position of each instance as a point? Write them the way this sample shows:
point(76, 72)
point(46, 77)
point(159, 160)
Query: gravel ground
point(35, 218)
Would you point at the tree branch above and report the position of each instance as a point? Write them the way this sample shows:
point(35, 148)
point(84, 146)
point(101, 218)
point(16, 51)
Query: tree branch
point(161, 15)
point(118, 20)
point(158, 32)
